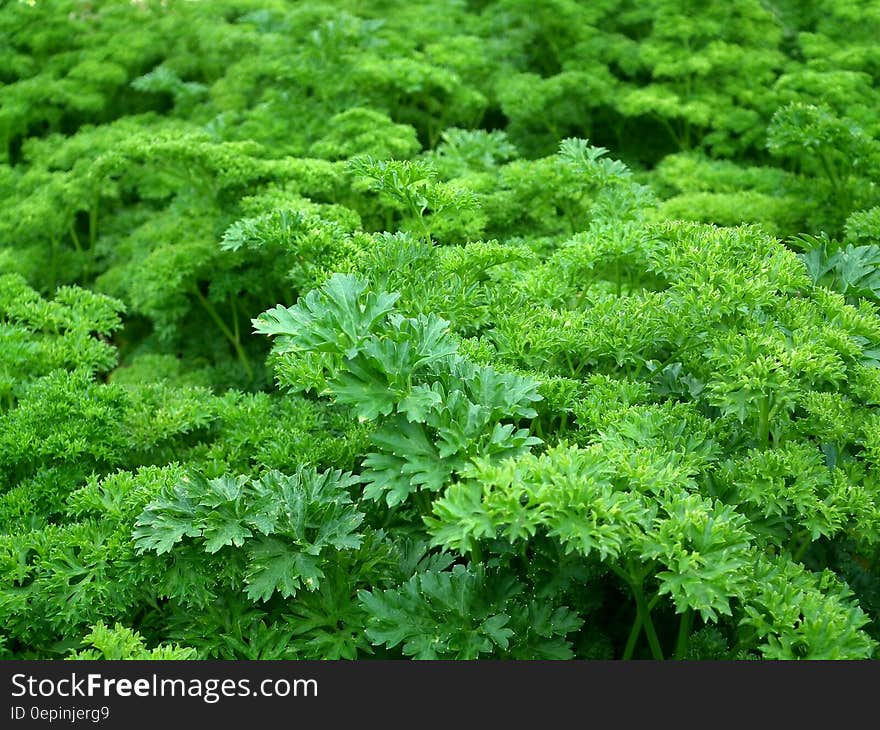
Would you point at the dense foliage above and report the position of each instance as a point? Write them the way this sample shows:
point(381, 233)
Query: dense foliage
point(439, 329)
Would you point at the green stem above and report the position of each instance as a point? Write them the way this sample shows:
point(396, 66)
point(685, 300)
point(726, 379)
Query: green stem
point(743, 643)
point(93, 225)
point(235, 330)
point(75, 238)
point(763, 432)
point(633, 637)
point(687, 134)
point(538, 428)
point(644, 611)
point(419, 214)
point(423, 501)
point(829, 172)
point(841, 192)
point(53, 266)
point(642, 620)
point(802, 548)
point(426, 231)
point(669, 128)
point(476, 553)
point(221, 325)
point(685, 625)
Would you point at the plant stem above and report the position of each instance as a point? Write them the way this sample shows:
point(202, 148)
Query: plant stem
point(537, 428)
point(236, 343)
point(53, 266)
point(426, 231)
point(684, 634)
point(75, 238)
point(763, 432)
point(829, 172)
point(476, 553)
point(423, 502)
point(418, 213)
point(802, 548)
point(669, 128)
point(633, 637)
point(93, 225)
point(645, 612)
point(235, 330)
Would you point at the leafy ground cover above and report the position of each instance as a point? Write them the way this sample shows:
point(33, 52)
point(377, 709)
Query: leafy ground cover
point(439, 329)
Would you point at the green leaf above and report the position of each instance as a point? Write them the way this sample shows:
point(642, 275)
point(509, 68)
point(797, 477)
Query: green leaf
point(336, 319)
point(274, 566)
